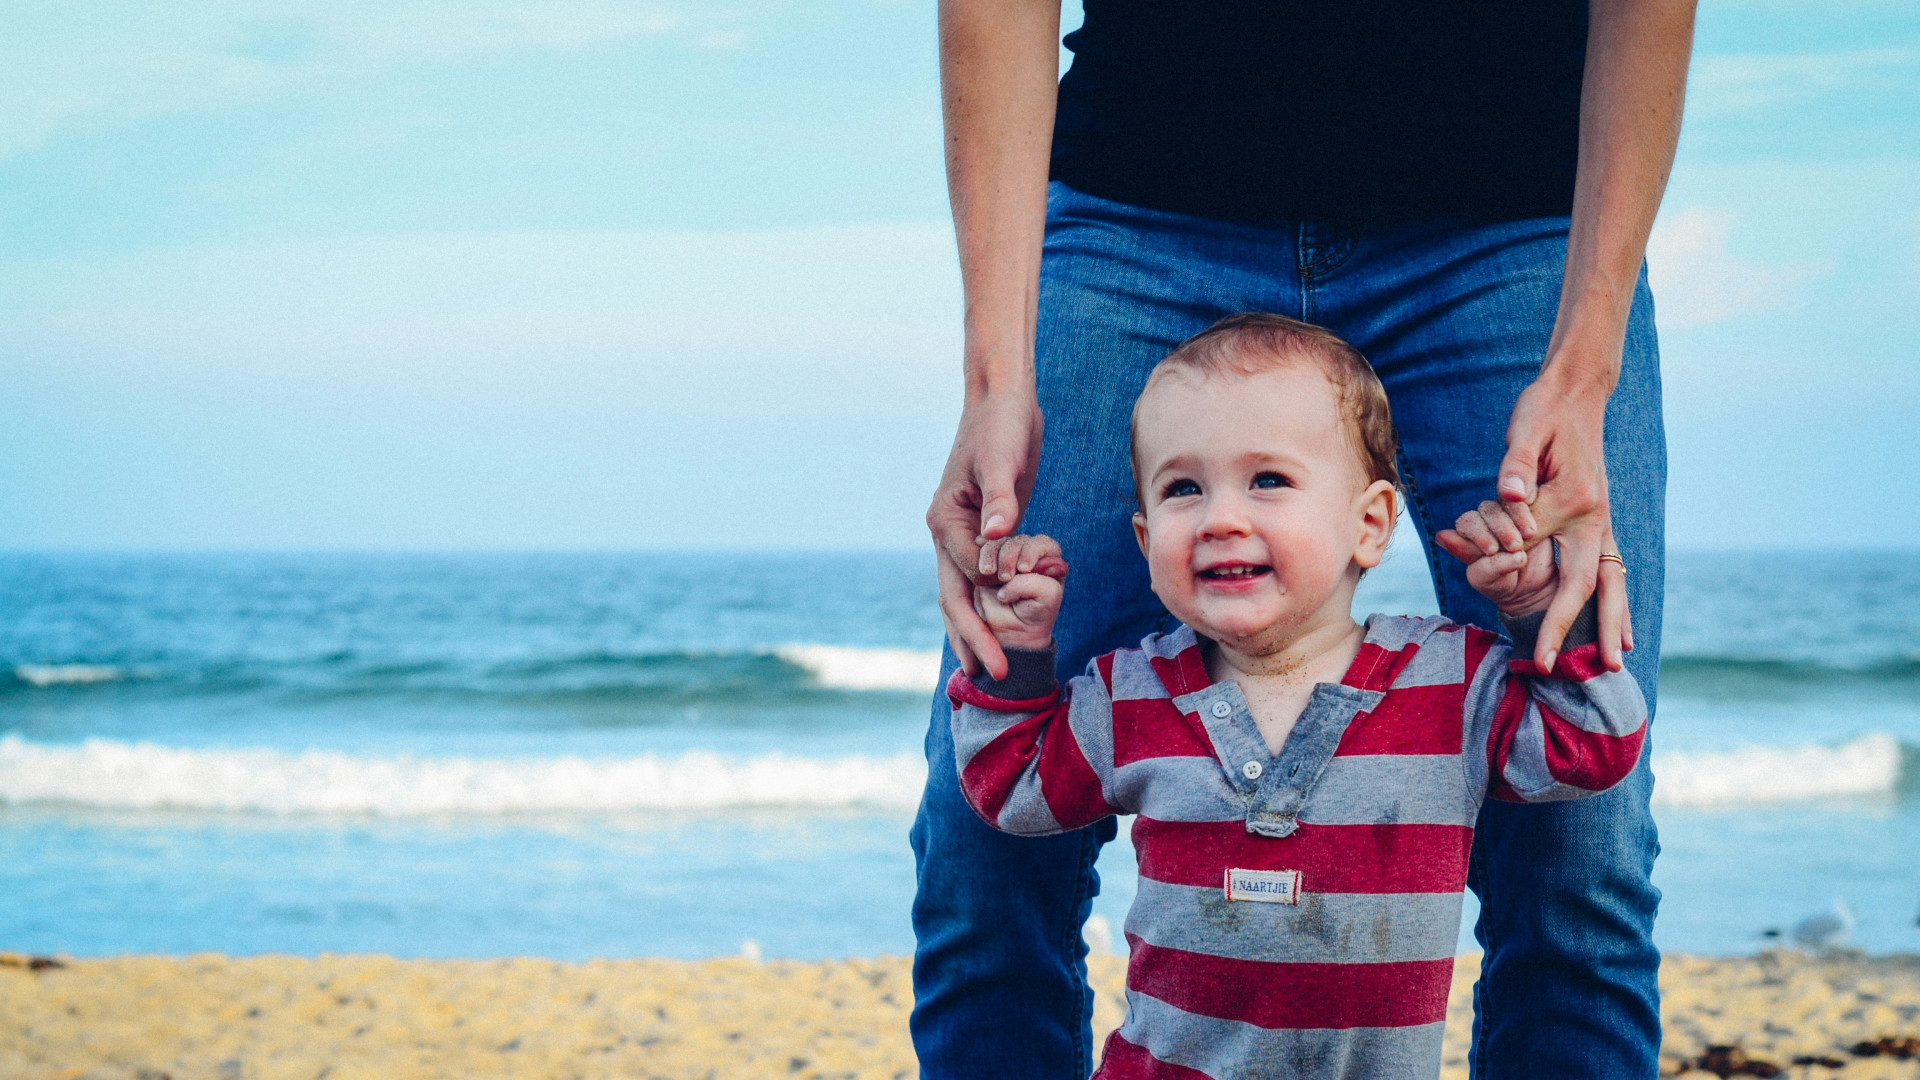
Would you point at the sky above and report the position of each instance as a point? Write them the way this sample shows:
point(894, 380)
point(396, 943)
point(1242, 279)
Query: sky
point(595, 274)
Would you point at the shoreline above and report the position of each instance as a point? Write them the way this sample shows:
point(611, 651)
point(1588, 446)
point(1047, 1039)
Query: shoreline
point(345, 1017)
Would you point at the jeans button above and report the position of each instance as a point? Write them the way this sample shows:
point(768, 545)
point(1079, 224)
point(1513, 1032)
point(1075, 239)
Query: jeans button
point(1252, 770)
point(1222, 710)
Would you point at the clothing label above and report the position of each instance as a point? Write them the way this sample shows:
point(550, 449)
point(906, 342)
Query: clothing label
point(1264, 886)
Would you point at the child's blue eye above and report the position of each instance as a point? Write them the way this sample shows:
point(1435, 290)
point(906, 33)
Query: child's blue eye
point(1271, 480)
point(1180, 488)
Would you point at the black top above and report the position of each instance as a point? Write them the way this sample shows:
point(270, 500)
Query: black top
point(1339, 110)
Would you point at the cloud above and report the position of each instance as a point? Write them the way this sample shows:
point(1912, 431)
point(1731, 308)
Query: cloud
point(1726, 84)
point(99, 65)
point(1913, 254)
point(1698, 280)
point(443, 304)
point(598, 388)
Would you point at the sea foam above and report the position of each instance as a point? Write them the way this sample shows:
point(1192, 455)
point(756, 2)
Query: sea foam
point(143, 776)
point(1871, 765)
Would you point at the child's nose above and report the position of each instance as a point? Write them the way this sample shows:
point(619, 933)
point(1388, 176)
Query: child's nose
point(1225, 517)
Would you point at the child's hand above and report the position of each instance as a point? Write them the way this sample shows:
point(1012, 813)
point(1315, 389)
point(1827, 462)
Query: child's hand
point(1521, 580)
point(1021, 610)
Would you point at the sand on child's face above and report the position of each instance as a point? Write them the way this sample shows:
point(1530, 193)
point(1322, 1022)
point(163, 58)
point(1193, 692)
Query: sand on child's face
point(1252, 503)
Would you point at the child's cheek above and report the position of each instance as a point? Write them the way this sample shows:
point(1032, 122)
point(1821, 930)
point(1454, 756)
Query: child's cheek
point(1169, 571)
point(1166, 575)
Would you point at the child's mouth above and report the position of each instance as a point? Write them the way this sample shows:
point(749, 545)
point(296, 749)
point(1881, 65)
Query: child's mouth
point(1233, 572)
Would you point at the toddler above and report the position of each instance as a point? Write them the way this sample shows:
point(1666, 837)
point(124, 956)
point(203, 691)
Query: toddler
point(1306, 787)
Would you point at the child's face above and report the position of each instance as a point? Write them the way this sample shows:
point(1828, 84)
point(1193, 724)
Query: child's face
point(1257, 516)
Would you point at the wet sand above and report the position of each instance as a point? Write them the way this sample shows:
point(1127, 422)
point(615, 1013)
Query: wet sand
point(350, 1017)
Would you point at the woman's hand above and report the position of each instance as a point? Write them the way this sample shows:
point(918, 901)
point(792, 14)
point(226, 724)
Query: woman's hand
point(1556, 463)
point(988, 477)
point(1556, 469)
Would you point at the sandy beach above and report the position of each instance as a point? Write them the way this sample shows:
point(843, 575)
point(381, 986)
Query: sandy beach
point(339, 1017)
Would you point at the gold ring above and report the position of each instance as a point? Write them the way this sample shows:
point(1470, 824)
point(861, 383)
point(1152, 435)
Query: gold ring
point(1612, 558)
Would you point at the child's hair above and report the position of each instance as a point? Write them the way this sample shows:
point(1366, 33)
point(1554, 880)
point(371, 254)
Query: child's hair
point(1253, 342)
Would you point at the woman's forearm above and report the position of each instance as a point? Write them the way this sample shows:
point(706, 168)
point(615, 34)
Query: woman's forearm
point(1630, 101)
point(999, 63)
point(1630, 105)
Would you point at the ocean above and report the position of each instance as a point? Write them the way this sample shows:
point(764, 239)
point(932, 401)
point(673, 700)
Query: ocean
point(580, 755)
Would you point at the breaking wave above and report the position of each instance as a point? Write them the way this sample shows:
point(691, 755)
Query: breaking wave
point(66, 674)
point(117, 775)
point(846, 668)
point(110, 774)
point(1876, 764)
point(608, 679)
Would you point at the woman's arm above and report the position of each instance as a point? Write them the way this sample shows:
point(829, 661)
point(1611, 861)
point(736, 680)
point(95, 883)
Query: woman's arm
point(999, 66)
point(1630, 103)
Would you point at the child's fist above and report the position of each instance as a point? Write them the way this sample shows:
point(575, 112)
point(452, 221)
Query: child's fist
point(1492, 542)
point(1020, 610)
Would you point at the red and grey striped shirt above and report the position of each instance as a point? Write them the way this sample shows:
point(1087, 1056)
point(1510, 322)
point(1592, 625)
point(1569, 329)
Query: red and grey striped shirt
point(1297, 913)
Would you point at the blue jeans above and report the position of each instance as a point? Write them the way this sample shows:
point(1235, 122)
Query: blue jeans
point(1455, 317)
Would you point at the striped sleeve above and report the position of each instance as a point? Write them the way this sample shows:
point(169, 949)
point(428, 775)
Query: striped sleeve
point(1546, 736)
point(1034, 758)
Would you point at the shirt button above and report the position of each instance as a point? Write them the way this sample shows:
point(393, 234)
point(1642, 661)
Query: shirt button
point(1252, 770)
point(1222, 710)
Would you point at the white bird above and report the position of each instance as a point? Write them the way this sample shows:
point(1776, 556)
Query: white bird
point(1825, 929)
point(1099, 935)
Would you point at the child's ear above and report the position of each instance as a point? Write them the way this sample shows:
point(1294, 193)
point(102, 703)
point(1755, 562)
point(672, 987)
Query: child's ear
point(1140, 531)
point(1379, 508)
